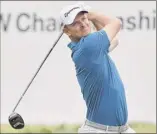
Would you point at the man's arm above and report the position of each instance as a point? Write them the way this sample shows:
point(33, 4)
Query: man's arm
point(98, 19)
point(113, 44)
point(111, 26)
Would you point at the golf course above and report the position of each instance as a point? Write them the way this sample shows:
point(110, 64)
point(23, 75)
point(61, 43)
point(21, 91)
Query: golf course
point(69, 128)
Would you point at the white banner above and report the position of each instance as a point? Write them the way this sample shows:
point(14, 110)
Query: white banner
point(28, 30)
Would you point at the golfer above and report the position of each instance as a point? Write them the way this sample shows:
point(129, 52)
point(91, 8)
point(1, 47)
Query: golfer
point(99, 80)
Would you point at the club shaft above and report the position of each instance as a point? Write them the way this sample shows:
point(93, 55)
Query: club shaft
point(37, 71)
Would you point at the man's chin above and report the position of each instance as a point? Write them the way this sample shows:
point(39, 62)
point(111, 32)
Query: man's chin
point(87, 33)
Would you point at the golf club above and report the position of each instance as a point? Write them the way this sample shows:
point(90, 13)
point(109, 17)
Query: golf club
point(15, 120)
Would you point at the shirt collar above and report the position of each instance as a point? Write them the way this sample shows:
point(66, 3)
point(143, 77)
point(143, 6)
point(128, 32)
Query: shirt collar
point(71, 45)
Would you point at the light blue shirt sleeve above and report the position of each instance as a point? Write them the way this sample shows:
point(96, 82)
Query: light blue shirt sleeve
point(99, 40)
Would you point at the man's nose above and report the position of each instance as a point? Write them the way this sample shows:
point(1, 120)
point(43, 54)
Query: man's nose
point(83, 24)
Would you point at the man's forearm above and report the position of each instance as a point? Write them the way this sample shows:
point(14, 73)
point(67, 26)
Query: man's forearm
point(99, 20)
point(113, 44)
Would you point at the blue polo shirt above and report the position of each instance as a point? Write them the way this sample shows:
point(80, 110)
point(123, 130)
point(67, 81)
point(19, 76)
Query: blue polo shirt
point(100, 83)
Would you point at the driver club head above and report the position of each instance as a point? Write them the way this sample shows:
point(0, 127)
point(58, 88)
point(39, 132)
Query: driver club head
point(16, 121)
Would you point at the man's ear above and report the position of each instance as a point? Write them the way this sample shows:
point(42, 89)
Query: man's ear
point(66, 31)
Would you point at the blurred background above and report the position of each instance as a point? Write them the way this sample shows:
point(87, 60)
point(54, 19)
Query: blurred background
point(54, 102)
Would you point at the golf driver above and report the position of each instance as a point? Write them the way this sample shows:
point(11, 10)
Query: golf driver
point(16, 120)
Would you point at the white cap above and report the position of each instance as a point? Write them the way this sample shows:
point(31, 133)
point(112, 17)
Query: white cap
point(68, 14)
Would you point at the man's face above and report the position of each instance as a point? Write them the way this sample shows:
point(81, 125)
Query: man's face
point(80, 27)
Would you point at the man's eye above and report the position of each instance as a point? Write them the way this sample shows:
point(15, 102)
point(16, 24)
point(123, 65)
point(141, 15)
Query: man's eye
point(74, 24)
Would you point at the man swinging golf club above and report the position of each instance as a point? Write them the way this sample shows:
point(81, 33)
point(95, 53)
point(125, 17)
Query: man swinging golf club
point(100, 83)
point(99, 80)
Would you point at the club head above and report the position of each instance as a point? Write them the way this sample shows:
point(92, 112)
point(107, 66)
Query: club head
point(16, 121)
